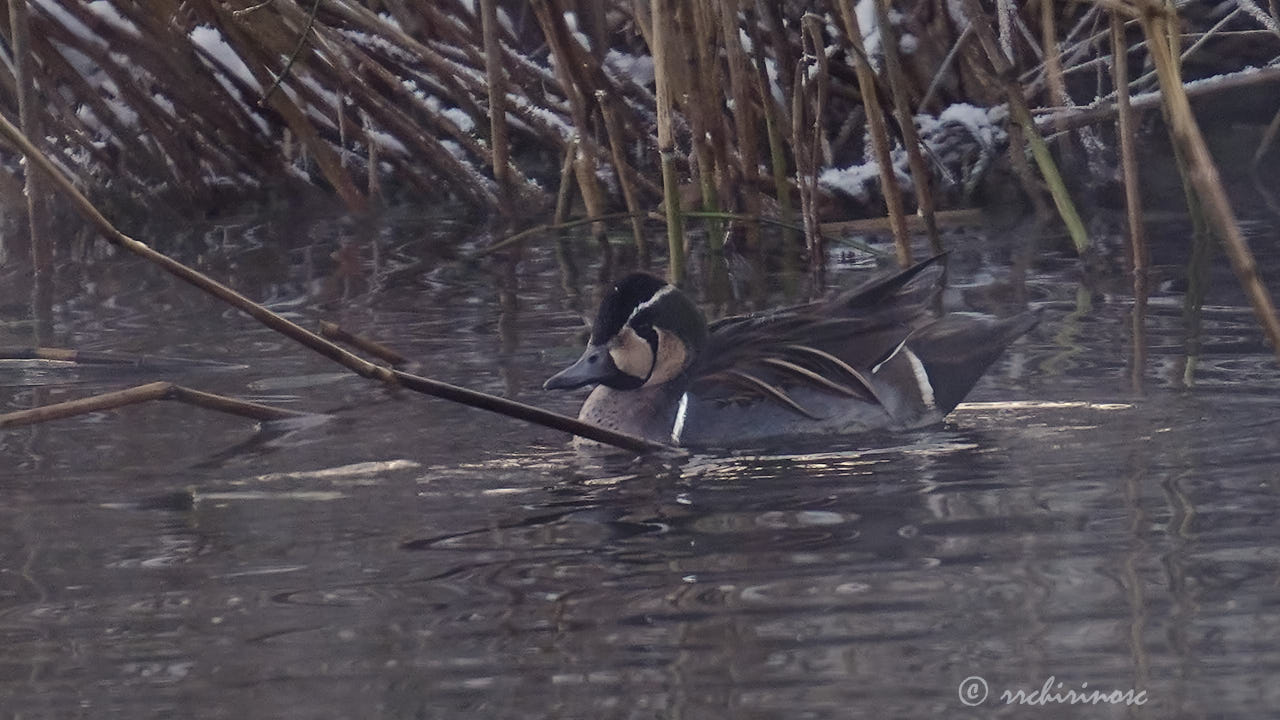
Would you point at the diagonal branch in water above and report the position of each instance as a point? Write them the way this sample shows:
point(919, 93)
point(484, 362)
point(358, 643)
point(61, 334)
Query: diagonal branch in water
point(305, 337)
point(146, 393)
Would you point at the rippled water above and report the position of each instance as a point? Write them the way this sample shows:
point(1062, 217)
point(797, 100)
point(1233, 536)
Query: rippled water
point(411, 558)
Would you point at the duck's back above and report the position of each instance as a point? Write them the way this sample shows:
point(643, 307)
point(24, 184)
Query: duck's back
point(917, 385)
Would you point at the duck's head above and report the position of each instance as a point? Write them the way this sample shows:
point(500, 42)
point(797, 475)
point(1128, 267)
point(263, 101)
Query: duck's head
point(646, 333)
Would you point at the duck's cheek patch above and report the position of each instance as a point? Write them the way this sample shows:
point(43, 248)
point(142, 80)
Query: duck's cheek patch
point(670, 360)
point(631, 354)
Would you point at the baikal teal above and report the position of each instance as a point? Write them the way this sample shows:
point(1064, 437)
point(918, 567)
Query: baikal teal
point(880, 356)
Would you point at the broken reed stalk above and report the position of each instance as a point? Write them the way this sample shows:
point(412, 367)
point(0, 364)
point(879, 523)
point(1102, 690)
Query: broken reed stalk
point(1021, 115)
point(1138, 366)
point(564, 196)
point(879, 135)
point(88, 357)
point(29, 118)
point(1075, 118)
point(663, 10)
point(1200, 222)
point(146, 393)
point(921, 179)
point(373, 183)
point(1053, 66)
point(513, 239)
point(805, 142)
point(1006, 13)
point(744, 118)
point(1268, 139)
point(337, 333)
point(944, 68)
point(305, 337)
point(1128, 153)
point(1185, 133)
point(496, 79)
point(806, 170)
point(773, 124)
point(953, 218)
point(1193, 302)
point(702, 100)
point(562, 46)
point(1132, 199)
point(614, 130)
point(584, 169)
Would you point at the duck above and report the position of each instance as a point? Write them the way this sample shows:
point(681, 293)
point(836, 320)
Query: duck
point(879, 356)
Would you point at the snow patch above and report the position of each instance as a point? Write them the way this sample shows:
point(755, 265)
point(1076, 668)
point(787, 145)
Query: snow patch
point(328, 97)
point(870, 25)
point(454, 149)
point(70, 23)
point(964, 138)
point(123, 112)
point(386, 141)
point(856, 181)
point(976, 120)
point(390, 20)
point(110, 15)
point(504, 19)
point(165, 104)
point(639, 68)
point(208, 39)
point(521, 104)
point(571, 20)
point(452, 114)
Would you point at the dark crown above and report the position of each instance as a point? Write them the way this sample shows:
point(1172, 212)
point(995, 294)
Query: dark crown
point(621, 301)
point(626, 303)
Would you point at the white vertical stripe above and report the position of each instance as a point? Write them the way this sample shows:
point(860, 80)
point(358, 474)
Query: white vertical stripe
point(678, 429)
point(922, 378)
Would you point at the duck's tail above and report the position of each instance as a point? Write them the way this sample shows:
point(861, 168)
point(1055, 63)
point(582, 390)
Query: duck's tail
point(956, 350)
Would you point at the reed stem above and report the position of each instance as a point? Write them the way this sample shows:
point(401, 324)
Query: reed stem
point(663, 11)
point(1021, 115)
point(921, 179)
point(744, 116)
point(1128, 153)
point(1185, 133)
point(496, 79)
point(879, 135)
point(29, 118)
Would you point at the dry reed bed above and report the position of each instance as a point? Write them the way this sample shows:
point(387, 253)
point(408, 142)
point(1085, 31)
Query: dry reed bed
point(747, 105)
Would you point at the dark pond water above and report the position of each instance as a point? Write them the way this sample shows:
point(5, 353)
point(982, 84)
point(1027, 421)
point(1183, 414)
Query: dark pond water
point(410, 558)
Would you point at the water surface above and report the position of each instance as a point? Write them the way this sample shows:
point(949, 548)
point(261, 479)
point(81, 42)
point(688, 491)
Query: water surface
point(411, 558)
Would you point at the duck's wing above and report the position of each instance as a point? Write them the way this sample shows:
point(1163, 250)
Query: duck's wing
point(831, 345)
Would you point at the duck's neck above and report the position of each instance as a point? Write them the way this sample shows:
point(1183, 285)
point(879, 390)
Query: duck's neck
point(649, 412)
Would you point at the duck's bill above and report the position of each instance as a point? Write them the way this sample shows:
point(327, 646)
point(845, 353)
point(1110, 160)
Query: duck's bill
point(594, 366)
